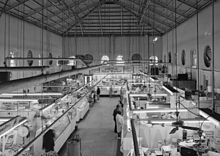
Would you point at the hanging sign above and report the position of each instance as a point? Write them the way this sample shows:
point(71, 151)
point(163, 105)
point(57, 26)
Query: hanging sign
point(128, 69)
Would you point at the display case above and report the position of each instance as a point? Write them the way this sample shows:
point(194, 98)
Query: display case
point(14, 134)
point(61, 116)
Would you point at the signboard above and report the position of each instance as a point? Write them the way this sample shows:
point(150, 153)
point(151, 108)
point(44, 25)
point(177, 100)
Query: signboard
point(128, 69)
point(97, 70)
point(112, 69)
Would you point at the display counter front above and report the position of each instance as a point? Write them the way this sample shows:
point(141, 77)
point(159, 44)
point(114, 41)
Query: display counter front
point(61, 116)
point(13, 135)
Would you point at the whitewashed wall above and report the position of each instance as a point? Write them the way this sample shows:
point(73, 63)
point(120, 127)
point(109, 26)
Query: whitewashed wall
point(19, 37)
point(112, 46)
point(186, 39)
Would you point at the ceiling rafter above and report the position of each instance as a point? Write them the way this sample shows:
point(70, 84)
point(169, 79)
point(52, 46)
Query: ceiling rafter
point(137, 16)
point(75, 3)
point(42, 14)
point(38, 24)
point(45, 26)
point(100, 22)
point(187, 4)
point(142, 9)
point(38, 10)
point(171, 9)
point(94, 6)
point(15, 5)
point(3, 9)
point(76, 17)
point(66, 14)
point(121, 21)
point(152, 18)
point(150, 9)
point(78, 11)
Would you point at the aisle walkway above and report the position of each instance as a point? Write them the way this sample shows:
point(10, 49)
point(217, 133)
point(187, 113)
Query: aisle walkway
point(96, 130)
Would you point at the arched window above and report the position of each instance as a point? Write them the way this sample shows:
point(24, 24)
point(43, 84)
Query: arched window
point(119, 59)
point(40, 60)
point(207, 56)
point(193, 56)
point(88, 59)
point(12, 62)
point(183, 57)
point(154, 60)
point(104, 59)
point(136, 58)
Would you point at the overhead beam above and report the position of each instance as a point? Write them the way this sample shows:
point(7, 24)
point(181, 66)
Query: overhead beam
point(95, 34)
point(38, 10)
point(107, 29)
point(25, 68)
point(15, 5)
point(171, 9)
point(14, 85)
point(187, 4)
point(75, 15)
point(100, 21)
point(110, 25)
point(3, 9)
point(39, 58)
point(64, 8)
point(142, 9)
point(42, 14)
point(66, 14)
point(95, 6)
point(137, 16)
point(154, 11)
point(46, 27)
point(86, 8)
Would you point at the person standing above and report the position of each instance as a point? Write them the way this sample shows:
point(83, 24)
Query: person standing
point(98, 91)
point(115, 112)
point(48, 143)
point(110, 91)
point(119, 122)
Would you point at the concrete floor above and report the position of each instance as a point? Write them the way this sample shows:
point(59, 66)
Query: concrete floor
point(96, 130)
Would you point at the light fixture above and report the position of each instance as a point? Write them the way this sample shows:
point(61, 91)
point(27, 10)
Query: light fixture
point(32, 94)
point(146, 95)
point(155, 39)
point(158, 110)
point(209, 117)
point(170, 121)
point(19, 100)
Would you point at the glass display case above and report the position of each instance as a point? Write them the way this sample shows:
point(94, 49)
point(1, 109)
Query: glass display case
point(61, 116)
point(112, 84)
point(14, 134)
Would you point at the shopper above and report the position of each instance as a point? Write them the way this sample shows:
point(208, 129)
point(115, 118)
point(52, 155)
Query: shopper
point(110, 91)
point(93, 96)
point(120, 106)
point(115, 112)
point(98, 91)
point(119, 122)
point(48, 143)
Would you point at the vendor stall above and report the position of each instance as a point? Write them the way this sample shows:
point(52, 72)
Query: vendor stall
point(14, 134)
point(166, 131)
